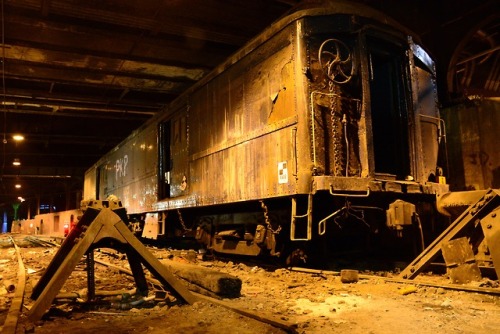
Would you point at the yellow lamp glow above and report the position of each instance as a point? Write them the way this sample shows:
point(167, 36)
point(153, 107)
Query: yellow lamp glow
point(18, 137)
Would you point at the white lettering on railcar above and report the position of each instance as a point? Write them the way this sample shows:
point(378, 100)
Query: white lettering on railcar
point(282, 172)
point(121, 167)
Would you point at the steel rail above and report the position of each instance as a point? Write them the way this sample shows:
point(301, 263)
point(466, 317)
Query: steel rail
point(10, 324)
point(490, 291)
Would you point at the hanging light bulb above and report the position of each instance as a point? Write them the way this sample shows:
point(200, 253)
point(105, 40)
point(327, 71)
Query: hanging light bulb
point(18, 186)
point(16, 162)
point(18, 137)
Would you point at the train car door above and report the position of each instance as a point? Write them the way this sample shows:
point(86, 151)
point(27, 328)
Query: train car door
point(164, 160)
point(430, 129)
point(102, 178)
point(179, 155)
point(173, 157)
point(389, 97)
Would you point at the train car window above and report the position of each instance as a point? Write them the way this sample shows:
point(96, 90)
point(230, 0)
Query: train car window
point(422, 58)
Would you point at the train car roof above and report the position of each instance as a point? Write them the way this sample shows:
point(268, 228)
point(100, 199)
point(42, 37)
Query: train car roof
point(305, 9)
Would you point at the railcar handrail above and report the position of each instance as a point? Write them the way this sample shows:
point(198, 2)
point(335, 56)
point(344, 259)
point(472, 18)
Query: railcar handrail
point(349, 195)
point(308, 214)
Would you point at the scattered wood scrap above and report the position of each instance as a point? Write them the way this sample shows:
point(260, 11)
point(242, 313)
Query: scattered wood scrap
point(221, 284)
point(198, 279)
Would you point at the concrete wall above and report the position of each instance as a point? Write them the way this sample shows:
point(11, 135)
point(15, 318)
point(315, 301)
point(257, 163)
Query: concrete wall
point(47, 224)
point(473, 137)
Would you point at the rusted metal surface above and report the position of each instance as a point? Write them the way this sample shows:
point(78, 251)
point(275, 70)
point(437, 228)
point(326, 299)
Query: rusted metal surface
point(399, 215)
point(304, 109)
point(82, 65)
point(491, 229)
point(253, 115)
point(460, 262)
point(455, 202)
point(129, 172)
point(465, 225)
point(472, 149)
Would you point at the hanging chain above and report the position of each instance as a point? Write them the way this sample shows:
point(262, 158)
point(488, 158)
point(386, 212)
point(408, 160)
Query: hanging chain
point(338, 157)
point(268, 221)
point(182, 222)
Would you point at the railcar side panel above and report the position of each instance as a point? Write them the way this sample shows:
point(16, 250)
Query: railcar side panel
point(321, 128)
point(90, 183)
point(237, 169)
point(242, 127)
point(129, 172)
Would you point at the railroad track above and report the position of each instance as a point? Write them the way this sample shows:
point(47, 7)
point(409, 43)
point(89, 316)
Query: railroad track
point(420, 282)
point(489, 291)
point(11, 321)
point(18, 288)
point(14, 312)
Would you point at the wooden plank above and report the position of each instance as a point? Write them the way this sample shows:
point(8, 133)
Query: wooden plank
point(221, 284)
point(67, 266)
point(66, 247)
point(190, 286)
point(137, 272)
point(107, 225)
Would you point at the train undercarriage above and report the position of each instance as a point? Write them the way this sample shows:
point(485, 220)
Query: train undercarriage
point(306, 226)
point(313, 230)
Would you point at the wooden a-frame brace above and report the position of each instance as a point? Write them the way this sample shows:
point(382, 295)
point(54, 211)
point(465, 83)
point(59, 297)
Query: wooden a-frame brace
point(102, 225)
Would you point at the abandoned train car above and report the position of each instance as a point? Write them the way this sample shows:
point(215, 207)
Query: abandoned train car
point(323, 131)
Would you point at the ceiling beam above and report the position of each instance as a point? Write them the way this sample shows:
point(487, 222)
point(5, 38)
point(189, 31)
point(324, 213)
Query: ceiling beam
point(46, 108)
point(170, 21)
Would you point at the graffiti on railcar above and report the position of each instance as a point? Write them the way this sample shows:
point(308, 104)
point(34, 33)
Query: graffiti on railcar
point(121, 167)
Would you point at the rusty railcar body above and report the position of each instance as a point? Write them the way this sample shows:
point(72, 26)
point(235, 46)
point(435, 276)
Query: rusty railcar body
point(324, 129)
